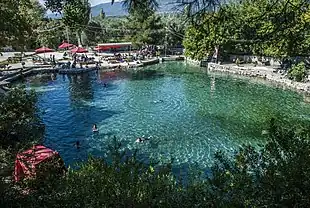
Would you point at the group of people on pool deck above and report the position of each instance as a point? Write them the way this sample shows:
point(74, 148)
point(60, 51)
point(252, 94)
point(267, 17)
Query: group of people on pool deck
point(96, 130)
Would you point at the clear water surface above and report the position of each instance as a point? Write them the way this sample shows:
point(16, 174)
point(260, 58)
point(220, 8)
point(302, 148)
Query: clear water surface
point(189, 114)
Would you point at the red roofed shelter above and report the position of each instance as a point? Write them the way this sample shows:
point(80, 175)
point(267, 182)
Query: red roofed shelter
point(107, 46)
point(30, 162)
point(79, 50)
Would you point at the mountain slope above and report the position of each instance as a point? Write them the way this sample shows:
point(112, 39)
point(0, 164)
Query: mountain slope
point(117, 9)
point(110, 10)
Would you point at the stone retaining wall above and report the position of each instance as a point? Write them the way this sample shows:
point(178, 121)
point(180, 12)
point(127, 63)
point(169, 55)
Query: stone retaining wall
point(252, 58)
point(264, 74)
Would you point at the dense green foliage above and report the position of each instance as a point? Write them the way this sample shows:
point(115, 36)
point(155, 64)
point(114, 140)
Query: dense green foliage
point(48, 36)
point(20, 127)
point(114, 29)
point(145, 31)
point(277, 175)
point(297, 72)
point(93, 33)
point(24, 31)
point(151, 30)
point(175, 26)
point(76, 16)
point(19, 20)
point(260, 27)
point(19, 121)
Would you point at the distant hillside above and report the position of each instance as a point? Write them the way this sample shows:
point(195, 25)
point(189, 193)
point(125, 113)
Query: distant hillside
point(110, 10)
point(117, 9)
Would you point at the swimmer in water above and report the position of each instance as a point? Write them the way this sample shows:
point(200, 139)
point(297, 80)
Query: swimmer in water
point(158, 101)
point(142, 139)
point(77, 144)
point(95, 129)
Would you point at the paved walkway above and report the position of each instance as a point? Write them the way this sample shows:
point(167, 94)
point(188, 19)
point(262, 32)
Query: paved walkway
point(6, 55)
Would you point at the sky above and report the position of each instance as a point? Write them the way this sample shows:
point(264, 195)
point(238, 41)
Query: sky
point(92, 2)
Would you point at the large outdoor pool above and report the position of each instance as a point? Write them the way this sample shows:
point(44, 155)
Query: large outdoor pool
point(189, 114)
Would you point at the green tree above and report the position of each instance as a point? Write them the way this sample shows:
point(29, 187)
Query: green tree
point(147, 31)
point(201, 40)
point(51, 33)
point(94, 32)
point(76, 16)
point(20, 127)
point(19, 121)
point(20, 20)
point(274, 176)
point(58, 5)
point(114, 29)
point(142, 7)
point(261, 27)
point(297, 72)
point(175, 29)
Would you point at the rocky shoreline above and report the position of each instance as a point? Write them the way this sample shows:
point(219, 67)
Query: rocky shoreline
point(263, 73)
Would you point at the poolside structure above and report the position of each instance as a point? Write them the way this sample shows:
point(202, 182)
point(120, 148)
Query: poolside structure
point(108, 46)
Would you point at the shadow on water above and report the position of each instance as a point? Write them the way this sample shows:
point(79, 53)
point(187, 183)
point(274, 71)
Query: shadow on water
point(91, 115)
point(109, 86)
point(80, 87)
point(145, 75)
point(40, 80)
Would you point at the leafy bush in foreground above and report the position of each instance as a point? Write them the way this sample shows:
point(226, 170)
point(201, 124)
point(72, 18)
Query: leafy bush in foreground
point(297, 72)
point(19, 121)
point(278, 175)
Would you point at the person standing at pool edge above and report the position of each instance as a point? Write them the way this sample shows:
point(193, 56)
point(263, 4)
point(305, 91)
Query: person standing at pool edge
point(95, 129)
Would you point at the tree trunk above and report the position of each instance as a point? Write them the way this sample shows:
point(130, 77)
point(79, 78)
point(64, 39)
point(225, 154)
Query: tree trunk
point(78, 35)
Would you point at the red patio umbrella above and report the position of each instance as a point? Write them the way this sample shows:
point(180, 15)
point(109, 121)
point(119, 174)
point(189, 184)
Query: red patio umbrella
point(43, 50)
point(79, 50)
point(65, 45)
point(27, 163)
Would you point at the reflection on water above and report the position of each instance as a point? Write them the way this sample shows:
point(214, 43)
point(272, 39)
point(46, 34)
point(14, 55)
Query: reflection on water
point(80, 87)
point(145, 74)
point(190, 115)
point(212, 86)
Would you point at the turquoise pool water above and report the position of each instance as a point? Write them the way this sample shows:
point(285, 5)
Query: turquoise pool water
point(189, 114)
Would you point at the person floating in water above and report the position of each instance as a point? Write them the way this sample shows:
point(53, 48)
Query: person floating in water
point(142, 139)
point(95, 129)
point(77, 144)
point(158, 101)
point(105, 84)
